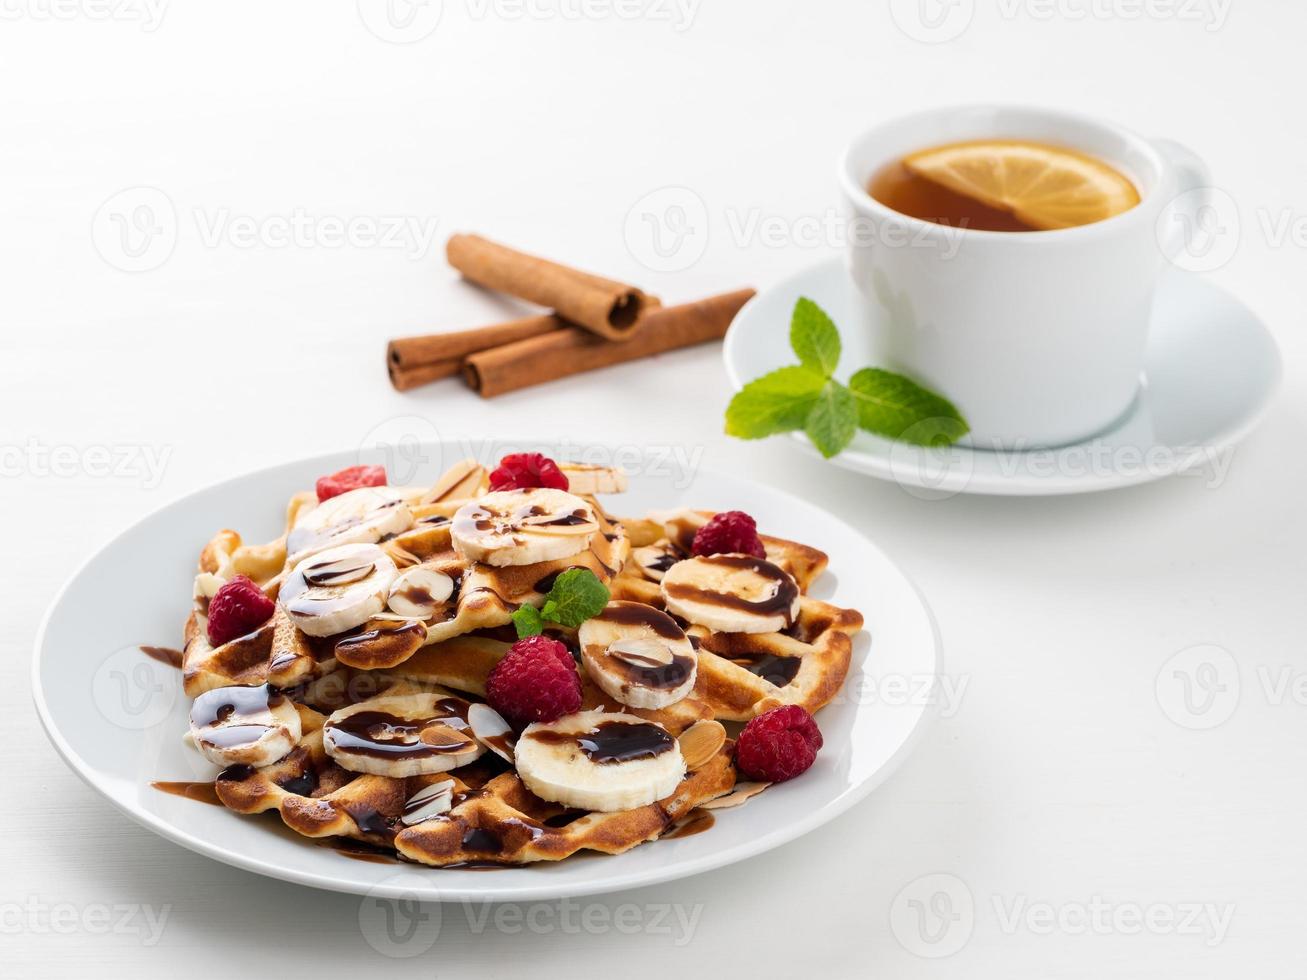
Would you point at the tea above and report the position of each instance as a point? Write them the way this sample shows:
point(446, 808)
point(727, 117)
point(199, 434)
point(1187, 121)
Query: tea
point(1003, 185)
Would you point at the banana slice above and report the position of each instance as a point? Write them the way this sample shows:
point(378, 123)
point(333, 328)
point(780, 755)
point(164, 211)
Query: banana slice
point(361, 516)
point(463, 480)
point(732, 594)
point(250, 726)
point(419, 591)
point(655, 559)
point(523, 527)
point(206, 587)
point(680, 526)
point(638, 655)
point(589, 480)
point(401, 735)
point(338, 589)
point(599, 761)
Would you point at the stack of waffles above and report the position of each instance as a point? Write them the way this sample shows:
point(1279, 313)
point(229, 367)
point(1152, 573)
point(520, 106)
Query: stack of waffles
point(358, 710)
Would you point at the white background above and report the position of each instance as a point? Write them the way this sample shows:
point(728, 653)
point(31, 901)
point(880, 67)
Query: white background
point(1061, 779)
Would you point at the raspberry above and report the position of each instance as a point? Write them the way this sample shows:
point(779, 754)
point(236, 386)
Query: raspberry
point(535, 681)
point(730, 532)
point(521, 471)
point(239, 607)
point(350, 478)
point(778, 745)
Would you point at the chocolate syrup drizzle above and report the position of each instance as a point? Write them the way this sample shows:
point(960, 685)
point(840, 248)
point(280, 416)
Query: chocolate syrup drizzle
point(213, 707)
point(778, 670)
point(386, 736)
point(779, 603)
point(664, 676)
point(613, 741)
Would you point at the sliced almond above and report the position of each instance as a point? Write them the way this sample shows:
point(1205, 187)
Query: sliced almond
point(400, 556)
point(442, 736)
point(492, 731)
point(430, 801)
point(742, 793)
point(390, 617)
point(642, 652)
point(701, 742)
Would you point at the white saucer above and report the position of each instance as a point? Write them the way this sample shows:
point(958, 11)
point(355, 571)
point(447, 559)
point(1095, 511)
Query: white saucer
point(1210, 371)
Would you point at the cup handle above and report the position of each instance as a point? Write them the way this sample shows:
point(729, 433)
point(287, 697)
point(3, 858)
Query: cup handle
point(1190, 195)
point(1190, 170)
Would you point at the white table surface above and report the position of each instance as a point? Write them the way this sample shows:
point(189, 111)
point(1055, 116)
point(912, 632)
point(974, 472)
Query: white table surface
point(1060, 795)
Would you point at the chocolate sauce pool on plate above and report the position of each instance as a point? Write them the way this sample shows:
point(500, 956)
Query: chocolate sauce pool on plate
point(199, 792)
point(165, 655)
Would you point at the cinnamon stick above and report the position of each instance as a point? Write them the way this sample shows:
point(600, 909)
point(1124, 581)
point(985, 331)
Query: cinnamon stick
point(404, 378)
point(562, 353)
point(602, 306)
point(409, 352)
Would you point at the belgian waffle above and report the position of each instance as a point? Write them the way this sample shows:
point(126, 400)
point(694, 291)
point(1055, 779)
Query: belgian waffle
point(282, 655)
point(482, 810)
point(492, 816)
point(742, 674)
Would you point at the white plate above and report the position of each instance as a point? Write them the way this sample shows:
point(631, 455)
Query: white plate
point(1210, 371)
point(117, 717)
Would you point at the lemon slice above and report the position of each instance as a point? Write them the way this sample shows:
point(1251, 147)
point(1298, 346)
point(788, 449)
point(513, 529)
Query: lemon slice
point(1046, 187)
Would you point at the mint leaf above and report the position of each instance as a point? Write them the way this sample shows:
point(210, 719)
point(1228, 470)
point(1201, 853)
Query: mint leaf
point(806, 396)
point(814, 337)
point(833, 419)
point(776, 402)
point(577, 595)
point(528, 622)
point(897, 407)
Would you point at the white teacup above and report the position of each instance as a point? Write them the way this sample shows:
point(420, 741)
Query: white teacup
point(1037, 337)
